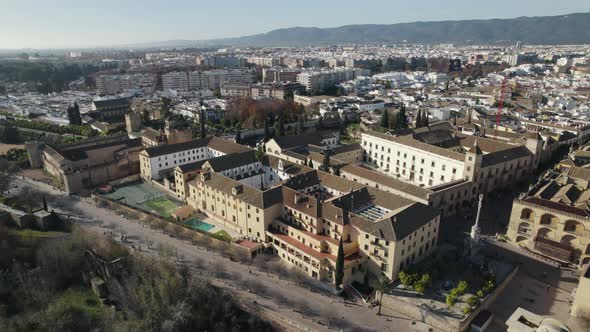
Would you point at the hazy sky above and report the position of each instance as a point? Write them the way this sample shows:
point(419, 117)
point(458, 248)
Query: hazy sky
point(82, 23)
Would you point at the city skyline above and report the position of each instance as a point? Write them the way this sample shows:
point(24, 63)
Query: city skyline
point(67, 24)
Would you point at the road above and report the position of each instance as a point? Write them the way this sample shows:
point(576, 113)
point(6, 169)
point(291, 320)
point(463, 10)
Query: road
point(320, 307)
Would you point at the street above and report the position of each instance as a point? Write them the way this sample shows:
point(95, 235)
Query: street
point(207, 263)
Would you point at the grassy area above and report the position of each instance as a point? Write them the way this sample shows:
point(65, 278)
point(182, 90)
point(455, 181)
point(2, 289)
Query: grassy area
point(33, 233)
point(222, 235)
point(82, 300)
point(163, 206)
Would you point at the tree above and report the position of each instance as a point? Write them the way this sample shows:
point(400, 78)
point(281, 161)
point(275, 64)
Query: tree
point(300, 125)
point(203, 127)
point(425, 119)
point(385, 120)
point(420, 285)
point(339, 265)
point(418, 121)
point(166, 104)
point(239, 134)
point(44, 204)
point(462, 287)
point(381, 287)
point(74, 114)
point(325, 167)
point(280, 126)
point(266, 131)
point(405, 278)
point(9, 134)
point(402, 117)
point(336, 170)
point(310, 163)
point(394, 122)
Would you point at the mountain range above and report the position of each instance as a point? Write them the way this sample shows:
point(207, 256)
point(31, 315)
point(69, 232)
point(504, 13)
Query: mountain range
point(549, 30)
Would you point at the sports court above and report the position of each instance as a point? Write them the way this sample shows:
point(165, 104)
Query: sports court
point(145, 197)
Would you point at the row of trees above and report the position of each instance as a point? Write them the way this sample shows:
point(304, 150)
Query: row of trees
point(82, 130)
point(421, 119)
point(395, 121)
point(254, 113)
point(420, 283)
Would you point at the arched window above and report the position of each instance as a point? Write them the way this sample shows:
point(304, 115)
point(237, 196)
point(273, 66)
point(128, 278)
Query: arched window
point(526, 214)
point(548, 219)
point(524, 228)
point(572, 226)
point(568, 240)
point(544, 233)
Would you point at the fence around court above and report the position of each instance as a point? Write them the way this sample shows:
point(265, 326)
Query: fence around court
point(149, 217)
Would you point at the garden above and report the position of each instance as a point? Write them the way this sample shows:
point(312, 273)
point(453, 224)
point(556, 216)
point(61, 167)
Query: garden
point(448, 284)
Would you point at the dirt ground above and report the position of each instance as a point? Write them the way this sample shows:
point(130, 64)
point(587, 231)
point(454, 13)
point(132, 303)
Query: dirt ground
point(5, 147)
point(35, 174)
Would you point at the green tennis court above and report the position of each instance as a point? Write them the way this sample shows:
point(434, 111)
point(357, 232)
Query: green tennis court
point(162, 205)
point(145, 197)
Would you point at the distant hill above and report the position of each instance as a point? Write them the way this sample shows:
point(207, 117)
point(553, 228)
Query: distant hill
point(563, 29)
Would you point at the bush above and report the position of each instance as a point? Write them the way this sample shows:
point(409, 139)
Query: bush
point(473, 301)
point(451, 299)
point(419, 287)
point(488, 286)
point(467, 310)
point(426, 279)
point(462, 287)
point(405, 278)
point(423, 283)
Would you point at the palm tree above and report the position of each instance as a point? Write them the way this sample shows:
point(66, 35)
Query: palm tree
point(382, 285)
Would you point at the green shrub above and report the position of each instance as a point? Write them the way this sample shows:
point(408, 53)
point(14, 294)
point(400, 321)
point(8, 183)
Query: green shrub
point(450, 300)
point(405, 278)
point(419, 287)
point(473, 301)
point(467, 310)
point(462, 287)
point(426, 279)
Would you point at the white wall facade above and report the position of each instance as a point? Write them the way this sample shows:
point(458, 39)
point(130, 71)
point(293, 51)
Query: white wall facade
point(409, 163)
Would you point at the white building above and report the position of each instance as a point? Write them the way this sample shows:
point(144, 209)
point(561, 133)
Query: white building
point(176, 80)
point(157, 161)
point(317, 81)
